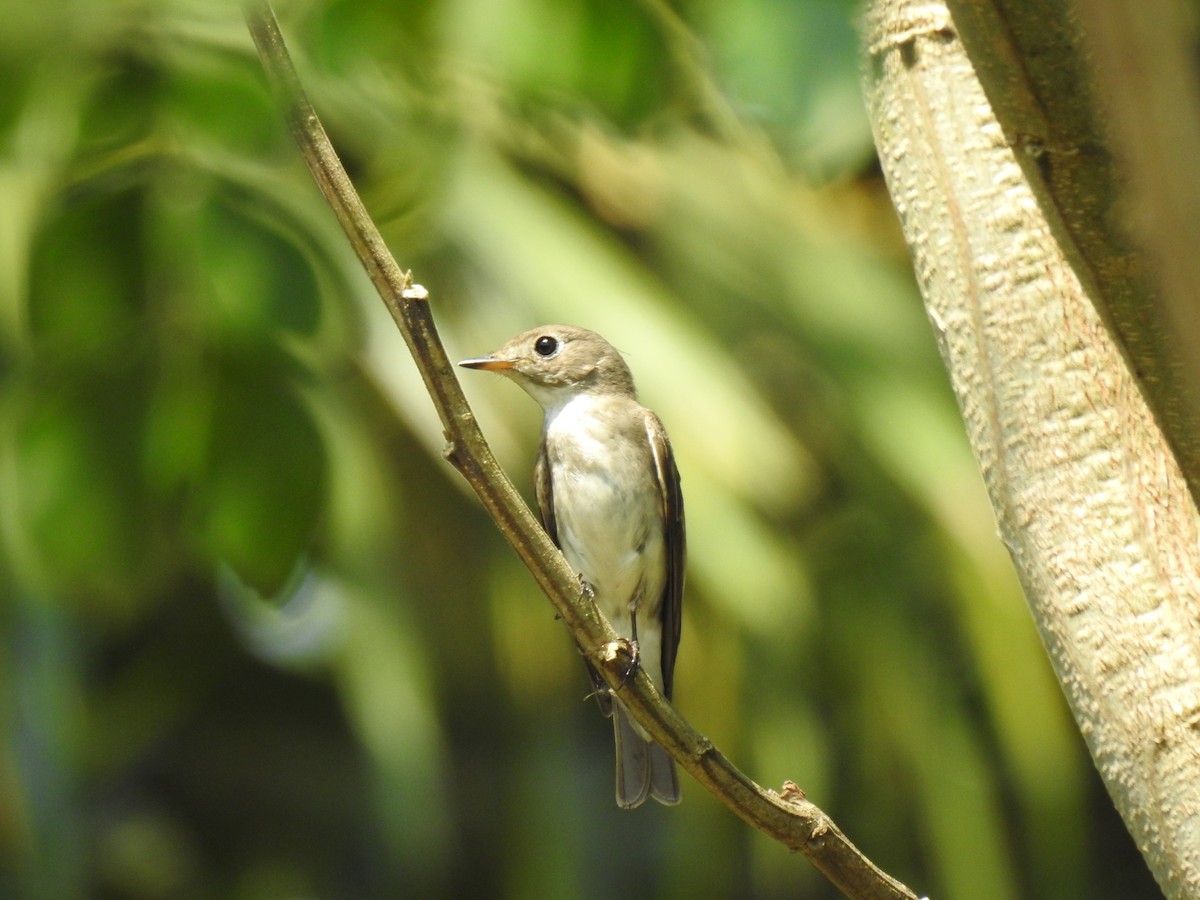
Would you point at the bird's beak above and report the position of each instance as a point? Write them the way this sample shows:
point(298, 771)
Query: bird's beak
point(490, 363)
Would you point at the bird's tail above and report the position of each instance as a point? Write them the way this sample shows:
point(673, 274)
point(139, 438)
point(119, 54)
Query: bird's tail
point(643, 767)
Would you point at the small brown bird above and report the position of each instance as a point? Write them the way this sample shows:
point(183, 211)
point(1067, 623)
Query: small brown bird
point(609, 496)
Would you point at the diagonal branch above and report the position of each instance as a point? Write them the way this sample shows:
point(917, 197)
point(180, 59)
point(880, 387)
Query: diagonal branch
point(787, 817)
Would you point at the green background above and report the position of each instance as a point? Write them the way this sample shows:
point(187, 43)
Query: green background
point(257, 639)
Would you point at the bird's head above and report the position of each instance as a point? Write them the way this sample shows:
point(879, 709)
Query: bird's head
point(556, 362)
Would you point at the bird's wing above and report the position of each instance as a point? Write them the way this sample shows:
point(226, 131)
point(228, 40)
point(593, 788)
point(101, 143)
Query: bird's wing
point(543, 489)
point(675, 540)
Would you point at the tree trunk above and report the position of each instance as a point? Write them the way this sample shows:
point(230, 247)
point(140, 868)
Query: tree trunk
point(1063, 369)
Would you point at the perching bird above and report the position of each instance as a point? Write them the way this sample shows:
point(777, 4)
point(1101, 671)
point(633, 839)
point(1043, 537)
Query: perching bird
point(609, 496)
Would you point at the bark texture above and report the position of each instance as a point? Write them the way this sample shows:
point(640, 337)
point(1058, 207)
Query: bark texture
point(999, 209)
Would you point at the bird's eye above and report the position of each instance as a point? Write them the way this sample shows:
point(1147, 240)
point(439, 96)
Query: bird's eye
point(546, 346)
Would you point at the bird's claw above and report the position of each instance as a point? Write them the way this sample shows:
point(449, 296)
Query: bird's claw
point(586, 588)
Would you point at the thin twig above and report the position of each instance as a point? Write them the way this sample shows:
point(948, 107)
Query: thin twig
point(788, 818)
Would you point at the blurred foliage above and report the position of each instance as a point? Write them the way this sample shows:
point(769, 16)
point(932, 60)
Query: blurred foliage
point(257, 640)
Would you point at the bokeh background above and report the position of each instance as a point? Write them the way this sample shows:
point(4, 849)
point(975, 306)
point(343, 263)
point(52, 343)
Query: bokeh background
point(257, 639)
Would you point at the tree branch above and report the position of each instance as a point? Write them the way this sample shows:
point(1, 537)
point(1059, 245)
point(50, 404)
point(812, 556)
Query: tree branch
point(787, 817)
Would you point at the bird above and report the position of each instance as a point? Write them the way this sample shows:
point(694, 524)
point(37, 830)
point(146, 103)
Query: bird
point(609, 495)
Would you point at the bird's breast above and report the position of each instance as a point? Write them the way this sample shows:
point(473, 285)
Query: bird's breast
point(607, 504)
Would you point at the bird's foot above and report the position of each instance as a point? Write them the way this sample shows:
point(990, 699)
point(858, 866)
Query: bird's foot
point(586, 588)
point(622, 648)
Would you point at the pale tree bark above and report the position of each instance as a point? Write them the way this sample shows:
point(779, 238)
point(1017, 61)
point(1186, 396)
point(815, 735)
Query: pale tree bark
point(1072, 388)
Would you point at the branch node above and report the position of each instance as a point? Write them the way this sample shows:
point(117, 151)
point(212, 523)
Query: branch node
point(413, 291)
point(820, 828)
point(618, 655)
point(791, 791)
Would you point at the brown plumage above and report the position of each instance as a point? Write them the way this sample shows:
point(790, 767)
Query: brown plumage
point(609, 496)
